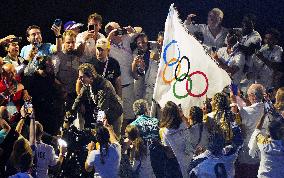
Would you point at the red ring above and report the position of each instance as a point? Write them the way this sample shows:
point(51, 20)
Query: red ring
point(204, 92)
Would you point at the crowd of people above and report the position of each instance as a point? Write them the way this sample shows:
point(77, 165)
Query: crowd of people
point(82, 107)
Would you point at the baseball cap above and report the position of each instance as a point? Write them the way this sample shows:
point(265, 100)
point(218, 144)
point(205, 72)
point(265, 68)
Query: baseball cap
point(103, 43)
point(71, 25)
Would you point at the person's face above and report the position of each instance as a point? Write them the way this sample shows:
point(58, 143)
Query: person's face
point(34, 36)
point(213, 20)
point(13, 49)
point(160, 40)
point(69, 43)
point(142, 43)
point(96, 23)
point(101, 53)
point(269, 40)
point(84, 78)
point(247, 27)
point(9, 75)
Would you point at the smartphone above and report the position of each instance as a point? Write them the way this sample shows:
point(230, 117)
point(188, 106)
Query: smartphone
point(17, 39)
point(91, 27)
point(101, 116)
point(57, 22)
point(28, 106)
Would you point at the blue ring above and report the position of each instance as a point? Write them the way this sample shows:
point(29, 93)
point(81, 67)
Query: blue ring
point(165, 53)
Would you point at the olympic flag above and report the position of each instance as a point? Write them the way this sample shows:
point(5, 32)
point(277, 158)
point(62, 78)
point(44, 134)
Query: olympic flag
point(186, 74)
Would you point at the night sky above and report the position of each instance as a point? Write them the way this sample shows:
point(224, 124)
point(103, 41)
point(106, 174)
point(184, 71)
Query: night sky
point(17, 15)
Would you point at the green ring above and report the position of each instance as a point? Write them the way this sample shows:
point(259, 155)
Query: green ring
point(174, 87)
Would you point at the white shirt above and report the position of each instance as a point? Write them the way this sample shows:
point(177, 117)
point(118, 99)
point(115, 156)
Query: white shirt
point(177, 139)
point(45, 157)
point(250, 116)
point(90, 46)
point(112, 161)
point(264, 73)
point(123, 54)
point(209, 39)
point(272, 156)
point(252, 38)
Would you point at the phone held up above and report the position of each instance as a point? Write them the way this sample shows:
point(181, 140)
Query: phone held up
point(91, 28)
point(57, 22)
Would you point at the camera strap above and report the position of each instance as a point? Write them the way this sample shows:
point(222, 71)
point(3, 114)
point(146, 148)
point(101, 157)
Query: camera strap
point(105, 68)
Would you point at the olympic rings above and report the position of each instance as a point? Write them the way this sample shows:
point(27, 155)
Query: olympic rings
point(165, 54)
point(178, 66)
point(164, 71)
point(206, 88)
point(174, 87)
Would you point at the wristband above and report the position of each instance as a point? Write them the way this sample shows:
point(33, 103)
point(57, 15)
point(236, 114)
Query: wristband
point(58, 36)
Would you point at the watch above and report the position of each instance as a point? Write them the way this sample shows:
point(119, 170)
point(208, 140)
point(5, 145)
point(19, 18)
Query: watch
point(58, 36)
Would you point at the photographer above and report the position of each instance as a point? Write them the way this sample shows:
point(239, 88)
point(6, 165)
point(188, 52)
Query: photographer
point(105, 160)
point(101, 95)
point(90, 36)
point(120, 39)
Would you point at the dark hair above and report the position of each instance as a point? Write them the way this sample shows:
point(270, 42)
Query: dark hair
point(95, 16)
point(140, 149)
point(249, 18)
point(275, 129)
point(133, 45)
point(274, 32)
point(88, 70)
point(103, 136)
point(31, 27)
point(170, 116)
point(196, 114)
point(216, 143)
point(25, 162)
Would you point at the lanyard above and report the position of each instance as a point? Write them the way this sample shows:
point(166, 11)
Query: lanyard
point(105, 68)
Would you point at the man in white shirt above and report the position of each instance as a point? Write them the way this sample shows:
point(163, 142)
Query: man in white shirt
point(214, 34)
point(90, 36)
point(250, 115)
point(266, 75)
point(250, 42)
point(120, 40)
point(45, 153)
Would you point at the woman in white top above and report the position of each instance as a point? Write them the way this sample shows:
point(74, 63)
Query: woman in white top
point(105, 160)
point(174, 133)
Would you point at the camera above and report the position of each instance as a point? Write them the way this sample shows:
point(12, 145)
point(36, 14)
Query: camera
point(91, 27)
point(17, 39)
point(120, 31)
point(28, 107)
point(140, 69)
point(57, 22)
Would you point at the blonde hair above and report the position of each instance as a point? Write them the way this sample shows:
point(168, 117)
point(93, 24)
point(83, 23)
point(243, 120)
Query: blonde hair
point(279, 104)
point(70, 33)
point(218, 12)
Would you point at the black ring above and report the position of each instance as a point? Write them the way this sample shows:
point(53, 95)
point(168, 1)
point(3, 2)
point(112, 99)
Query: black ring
point(188, 67)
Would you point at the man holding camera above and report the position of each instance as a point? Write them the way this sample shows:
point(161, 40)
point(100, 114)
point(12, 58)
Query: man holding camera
point(90, 36)
point(120, 40)
point(101, 95)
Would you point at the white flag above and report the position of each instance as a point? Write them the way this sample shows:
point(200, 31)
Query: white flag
point(186, 74)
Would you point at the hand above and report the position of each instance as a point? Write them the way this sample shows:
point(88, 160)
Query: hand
point(91, 146)
point(189, 18)
point(7, 39)
point(62, 150)
point(26, 96)
point(56, 29)
point(111, 34)
point(130, 29)
point(32, 53)
point(88, 35)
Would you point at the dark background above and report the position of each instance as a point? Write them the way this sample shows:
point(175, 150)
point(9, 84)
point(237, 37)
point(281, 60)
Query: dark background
point(17, 15)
